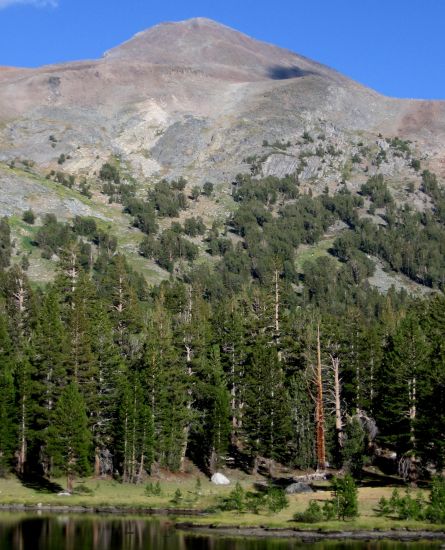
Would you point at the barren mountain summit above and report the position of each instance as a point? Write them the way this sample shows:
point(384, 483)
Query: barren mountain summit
point(207, 45)
point(196, 98)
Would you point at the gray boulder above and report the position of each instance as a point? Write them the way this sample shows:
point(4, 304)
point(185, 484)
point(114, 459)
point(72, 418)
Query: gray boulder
point(299, 487)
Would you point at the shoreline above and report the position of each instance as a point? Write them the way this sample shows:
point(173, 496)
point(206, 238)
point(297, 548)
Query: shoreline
point(101, 510)
point(402, 535)
point(305, 535)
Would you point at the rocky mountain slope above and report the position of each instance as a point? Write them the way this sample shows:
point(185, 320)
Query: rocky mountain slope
point(200, 100)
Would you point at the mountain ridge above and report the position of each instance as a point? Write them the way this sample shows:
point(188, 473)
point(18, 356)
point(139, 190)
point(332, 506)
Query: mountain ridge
point(199, 100)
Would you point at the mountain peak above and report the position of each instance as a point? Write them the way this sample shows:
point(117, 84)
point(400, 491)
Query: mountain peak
point(205, 44)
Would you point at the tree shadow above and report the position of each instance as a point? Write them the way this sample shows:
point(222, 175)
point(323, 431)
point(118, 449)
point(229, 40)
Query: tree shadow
point(282, 72)
point(40, 484)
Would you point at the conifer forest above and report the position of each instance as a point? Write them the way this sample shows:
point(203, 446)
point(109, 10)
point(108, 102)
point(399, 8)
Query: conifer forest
point(237, 361)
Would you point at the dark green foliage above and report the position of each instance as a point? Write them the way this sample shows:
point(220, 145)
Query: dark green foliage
point(167, 200)
point(312, 514)
point(273, 499)
point(109, 172)
point(354, 447)
point(153, 489)
point(276, 499)
point(69, 441)
point(345, 499)
point(85, 189)
point(195, 193)
point(402, 507)
point(5, 243)
point(168, 248)
point(400, 145)
point(8, 428)
point(435, 511)
point(266, 418)
point(415, 164)
point(207, 189)
point(85, 226)
point(215, 364)
point(177, 497)
point(377, 190)
point(194, 226)
point(235, 500)
point(29, 217)
point(52, 236)
point(415, 508)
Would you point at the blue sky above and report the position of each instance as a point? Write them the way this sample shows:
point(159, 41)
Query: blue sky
point(394, 46)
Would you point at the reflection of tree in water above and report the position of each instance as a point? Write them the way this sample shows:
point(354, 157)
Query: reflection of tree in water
point(64, 532)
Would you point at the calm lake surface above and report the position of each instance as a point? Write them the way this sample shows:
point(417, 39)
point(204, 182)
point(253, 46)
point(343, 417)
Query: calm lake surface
point(68, 532)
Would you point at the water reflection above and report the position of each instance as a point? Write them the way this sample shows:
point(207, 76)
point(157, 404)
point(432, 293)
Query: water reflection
point(58, 532)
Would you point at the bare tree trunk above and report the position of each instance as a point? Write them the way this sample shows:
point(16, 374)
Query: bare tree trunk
point(233, 390)
point(69, 482)
point(133, 441)
point(125, 472)
point(96, 463)
point(337, 402)
point(186, 429)
point(319, 413)
point(277, 312)
point(412, 420)
point(277, 303)
point(22, 451)
point(141, 462)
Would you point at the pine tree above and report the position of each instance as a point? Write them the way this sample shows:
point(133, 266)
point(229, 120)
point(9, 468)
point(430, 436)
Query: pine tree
point(267, 415)
point(135, 443)
point(110, 369)
point(69, 440)
point(8, 426)
point(20, 309)
point(5, 243)
point(49, 357)
point(163, 381)
point(302, 416)
point(218, 428)
point(400, 385)
point(229, 326)
point(431, 425)
point(82, 366)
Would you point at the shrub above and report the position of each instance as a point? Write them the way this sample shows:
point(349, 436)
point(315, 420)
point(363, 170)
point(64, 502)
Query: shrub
point(207, 188)
point(401, 507)
point(153, 489)
point(29, 217)
point(255, 501)
point(177, 497)
point(235, 500)
point(312, 514)
point(108, 172)
point(196, 191)
point(276, 499)
point(415, 164)
point(345, 497)
point(435, 511)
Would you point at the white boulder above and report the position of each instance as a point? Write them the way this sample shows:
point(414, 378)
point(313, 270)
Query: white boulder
point(219, 479)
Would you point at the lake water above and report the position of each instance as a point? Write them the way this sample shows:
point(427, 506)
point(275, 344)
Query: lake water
point(68, 532)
